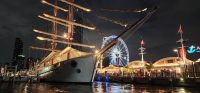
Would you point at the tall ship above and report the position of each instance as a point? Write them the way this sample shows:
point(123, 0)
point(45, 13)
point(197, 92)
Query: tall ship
point(71, 64)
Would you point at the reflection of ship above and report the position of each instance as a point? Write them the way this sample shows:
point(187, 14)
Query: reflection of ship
point(69, 64)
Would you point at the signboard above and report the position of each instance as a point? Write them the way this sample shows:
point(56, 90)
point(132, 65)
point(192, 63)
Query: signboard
point(193, 49)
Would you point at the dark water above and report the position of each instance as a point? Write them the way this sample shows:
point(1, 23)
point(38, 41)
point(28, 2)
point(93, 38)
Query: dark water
point(97, 87)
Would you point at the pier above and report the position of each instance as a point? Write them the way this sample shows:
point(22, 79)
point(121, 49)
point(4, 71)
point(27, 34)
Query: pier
point(10, 74)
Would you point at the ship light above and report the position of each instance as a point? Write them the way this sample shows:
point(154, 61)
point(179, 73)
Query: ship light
point(65, 35)
point(43, 1)
point(46, 69)
point(40, 38)
point(96, 51)
point(181, 79)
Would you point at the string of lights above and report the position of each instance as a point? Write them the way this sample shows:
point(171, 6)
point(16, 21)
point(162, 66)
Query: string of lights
point(76, 5)
point(60, 8)
point(64, 42)
point(46, 49)
point(112, 21)
point(125, 11)
point(55, 35)
point(69, 22)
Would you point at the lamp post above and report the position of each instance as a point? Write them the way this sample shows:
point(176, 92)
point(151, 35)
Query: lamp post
point(193, 68)
point(176, 51)
point(99, 58)
point(142, 49)
point(178, 57)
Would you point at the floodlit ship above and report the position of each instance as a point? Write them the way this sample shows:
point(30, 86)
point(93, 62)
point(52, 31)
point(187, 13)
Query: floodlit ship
point(70, 64)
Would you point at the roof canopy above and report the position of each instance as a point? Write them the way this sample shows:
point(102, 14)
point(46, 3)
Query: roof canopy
point(170, 61)
point(137, 64)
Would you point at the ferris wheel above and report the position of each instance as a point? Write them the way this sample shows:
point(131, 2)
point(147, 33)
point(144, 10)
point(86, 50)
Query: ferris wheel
point(118, 55)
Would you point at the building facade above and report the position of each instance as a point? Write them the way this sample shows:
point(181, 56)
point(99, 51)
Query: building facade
point(18, 57)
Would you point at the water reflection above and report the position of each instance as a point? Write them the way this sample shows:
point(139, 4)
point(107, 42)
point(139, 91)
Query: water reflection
point(97, 87)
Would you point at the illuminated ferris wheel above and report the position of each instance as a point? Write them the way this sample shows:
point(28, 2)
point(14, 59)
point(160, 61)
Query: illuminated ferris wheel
point(118, 55)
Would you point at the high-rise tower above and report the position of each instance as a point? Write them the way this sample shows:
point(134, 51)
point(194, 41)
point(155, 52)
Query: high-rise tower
point(18, 50)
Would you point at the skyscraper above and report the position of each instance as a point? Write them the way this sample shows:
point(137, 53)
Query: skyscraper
point(18, 50)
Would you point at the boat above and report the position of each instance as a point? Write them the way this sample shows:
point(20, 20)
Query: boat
point(70, 64)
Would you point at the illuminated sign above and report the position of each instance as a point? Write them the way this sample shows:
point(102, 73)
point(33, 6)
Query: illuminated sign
point(193, 49)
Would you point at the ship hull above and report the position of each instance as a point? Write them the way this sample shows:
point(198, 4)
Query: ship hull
point(78, 70)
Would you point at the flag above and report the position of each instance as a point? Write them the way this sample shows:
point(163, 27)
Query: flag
point(180, 29)
point(142, 42)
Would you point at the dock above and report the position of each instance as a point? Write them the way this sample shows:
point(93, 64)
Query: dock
point(161, 81)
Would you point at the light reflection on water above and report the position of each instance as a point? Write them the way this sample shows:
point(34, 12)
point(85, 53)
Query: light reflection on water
point(97, 87)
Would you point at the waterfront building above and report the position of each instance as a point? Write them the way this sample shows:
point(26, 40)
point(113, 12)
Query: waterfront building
point(111, 69)
point(139, 67)
point(18, 57)
point(197, 67)
point(137, 64)
point(169, 62)
point(20, 62)
point(2, 70)
point(18, 50)
point(30, 62)
point(169, 66)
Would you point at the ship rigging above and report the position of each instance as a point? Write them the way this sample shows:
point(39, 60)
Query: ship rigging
point(69, 64)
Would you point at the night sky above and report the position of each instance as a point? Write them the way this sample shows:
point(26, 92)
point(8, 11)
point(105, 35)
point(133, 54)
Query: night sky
point(19, 17)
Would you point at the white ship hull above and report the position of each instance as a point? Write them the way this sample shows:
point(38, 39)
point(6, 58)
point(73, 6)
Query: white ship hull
point(78, 70)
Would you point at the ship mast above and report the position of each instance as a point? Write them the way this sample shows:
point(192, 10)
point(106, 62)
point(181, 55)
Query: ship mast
point(54, 28)
point(70, 26)
point(132, 28)
point(142, 49)
point(181, 41)
point(69, 23)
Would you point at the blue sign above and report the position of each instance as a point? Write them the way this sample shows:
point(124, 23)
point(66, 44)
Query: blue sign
point(193, 49)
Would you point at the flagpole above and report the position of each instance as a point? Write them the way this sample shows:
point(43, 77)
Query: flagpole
point(180, 31)
point(182, 46)
point(182, 43)
point(142, 55)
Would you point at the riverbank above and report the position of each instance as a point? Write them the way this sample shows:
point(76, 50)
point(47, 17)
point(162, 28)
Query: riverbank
point(19, 79)
point(97, 87)
point(163, 81)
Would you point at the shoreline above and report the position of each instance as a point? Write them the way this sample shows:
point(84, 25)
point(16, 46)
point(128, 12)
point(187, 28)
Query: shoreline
point(158, 81)
point(161, 81)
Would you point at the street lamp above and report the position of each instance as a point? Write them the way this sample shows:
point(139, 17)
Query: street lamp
point(176, 51)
